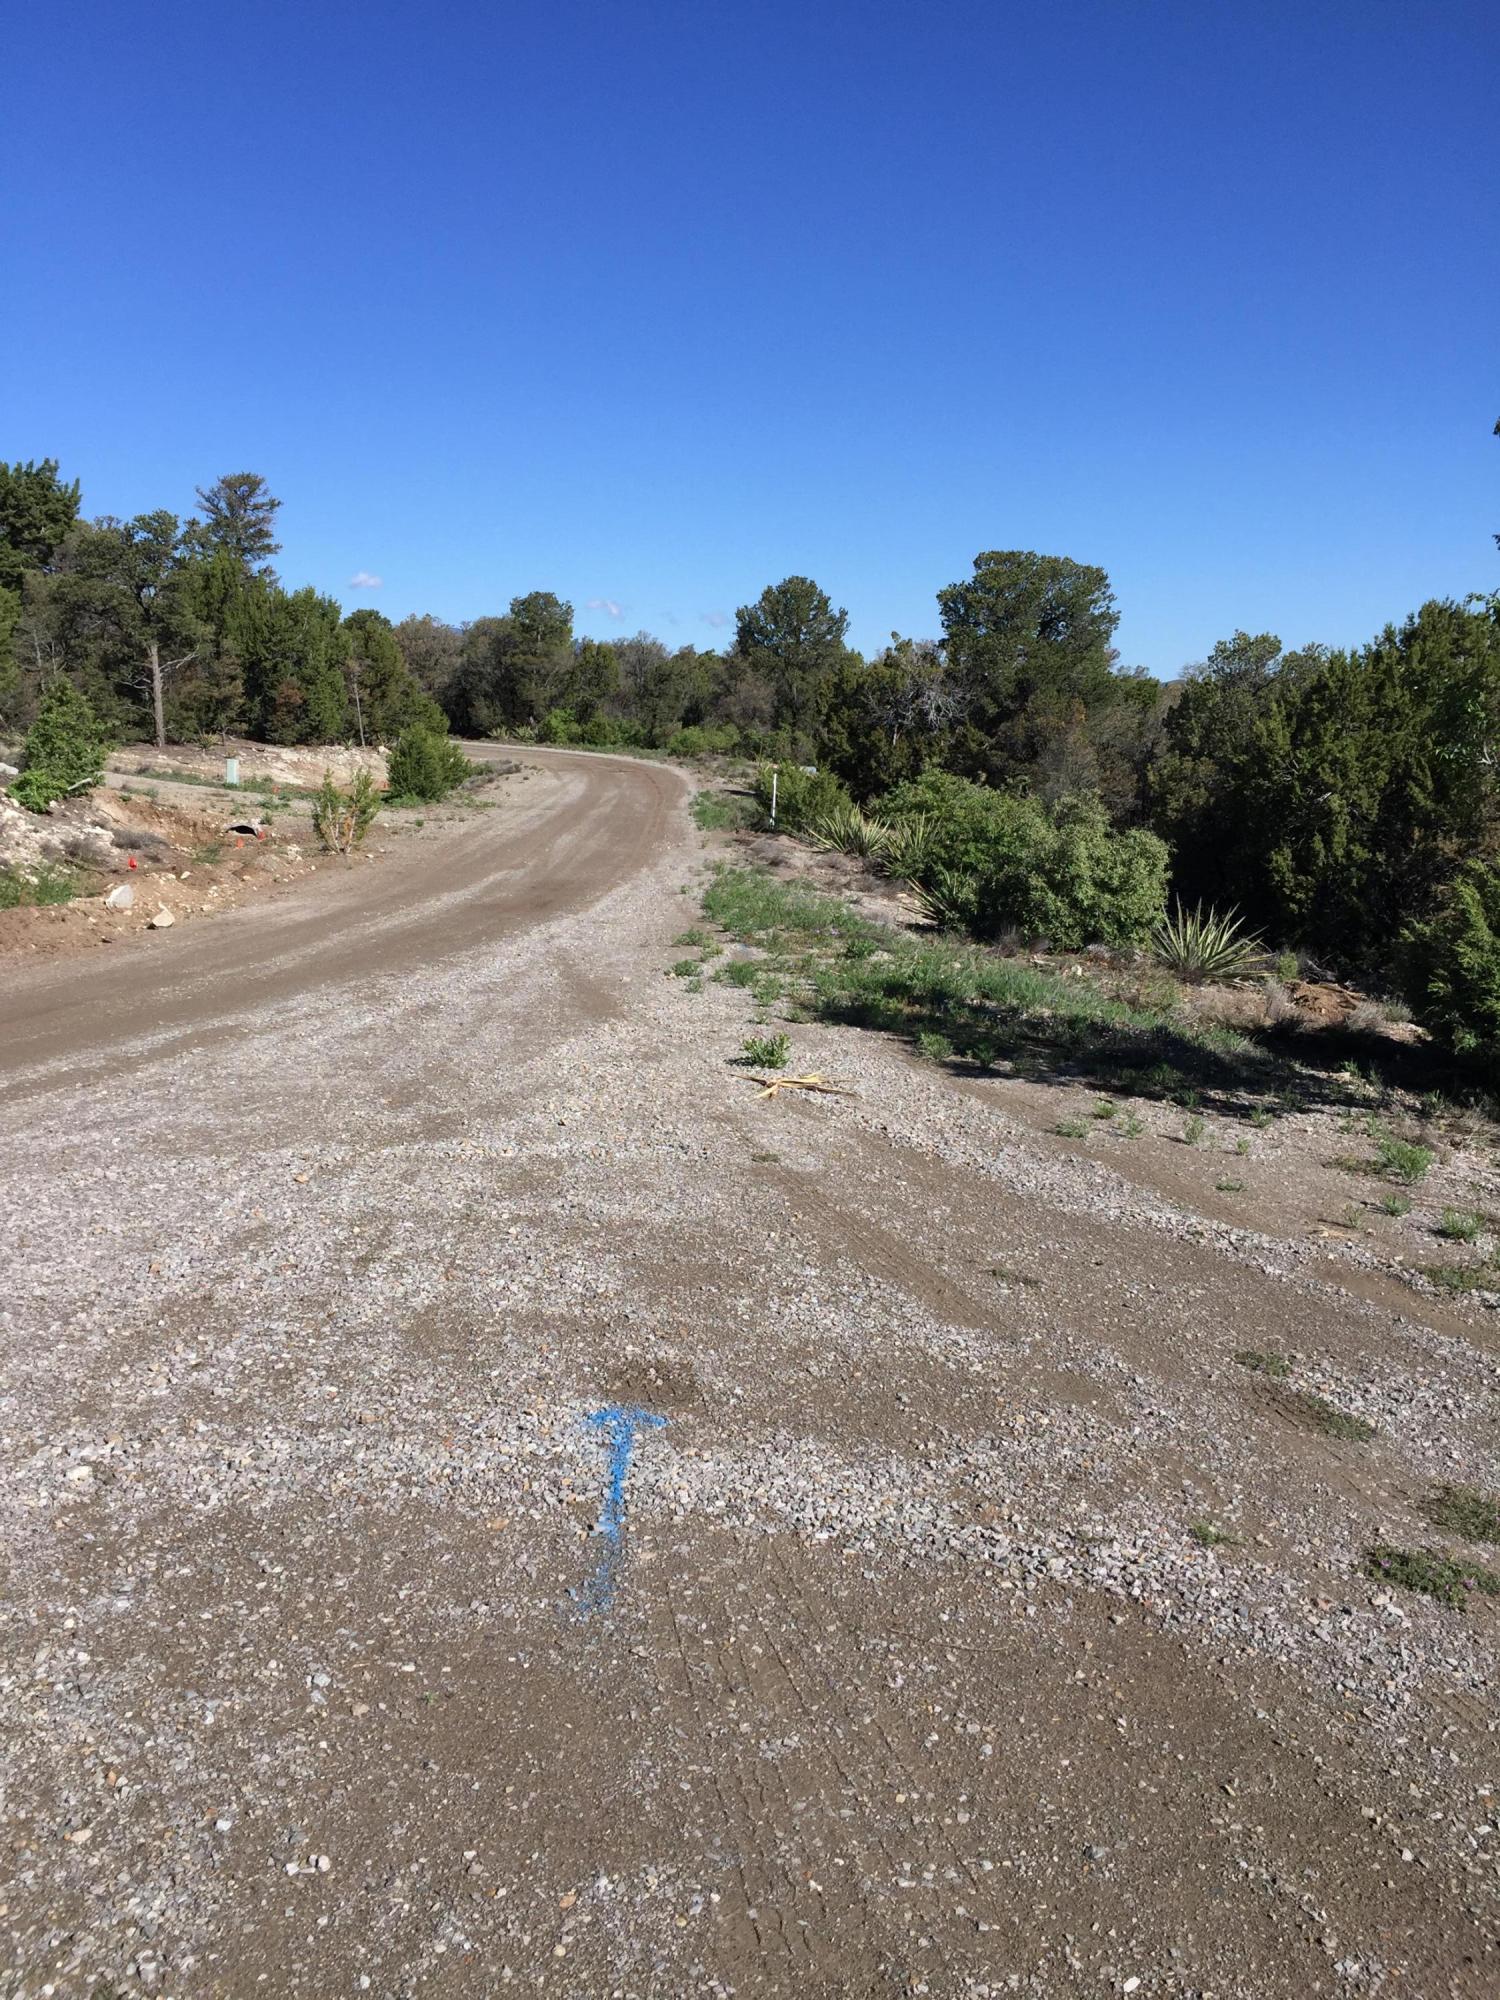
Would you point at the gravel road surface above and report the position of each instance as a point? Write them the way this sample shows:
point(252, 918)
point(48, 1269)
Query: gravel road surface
point(491, 1503)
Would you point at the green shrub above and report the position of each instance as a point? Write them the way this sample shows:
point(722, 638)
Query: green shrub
point(46, 887)
point(996, 861)
point(766, 1051)
point(559, 726)
point(1451, 969)
point(699, 741)
point(1434, 1575)
point(342, 819)
point(802, 797)
point(64, 749)
point(1400, 1160)
point(426, 766)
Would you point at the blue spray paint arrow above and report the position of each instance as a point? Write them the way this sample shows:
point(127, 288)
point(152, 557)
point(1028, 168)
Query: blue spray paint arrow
point(621, 1427)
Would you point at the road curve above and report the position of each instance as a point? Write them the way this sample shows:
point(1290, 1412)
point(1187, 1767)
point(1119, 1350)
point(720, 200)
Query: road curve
point(579, 827)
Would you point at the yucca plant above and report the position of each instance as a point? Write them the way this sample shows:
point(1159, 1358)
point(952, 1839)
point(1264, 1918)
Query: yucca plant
point(943, 898)
point(908, 852)
point(850, 831)
point(1204, 943)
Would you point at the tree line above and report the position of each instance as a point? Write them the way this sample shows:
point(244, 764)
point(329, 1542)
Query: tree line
point(1344, 800)
point(180, 629)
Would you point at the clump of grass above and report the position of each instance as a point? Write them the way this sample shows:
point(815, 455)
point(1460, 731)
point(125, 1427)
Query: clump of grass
point(43, 890)
point(1483, 1277)
point(1130, 1126)
point(1459, 1225)
point(1423, 1570)
point(687, 968)
point(1462, 1510)
point(1071, 1128)
point(746, 972)
point(936, 1048)
point(1260, 1118)
point(1353, 1218)
point(1006, 1276)
point(766, 1051)
point(1320, 1415)
point(693, 938)
point(1229, 1187)
point(718, 812)
point(1395, 1204)
point(1104, 1109)
point(1242, 1147)
point(1275, 1365)
point(1400, 1160)
point(1207, 1536)
point(1193, 1131)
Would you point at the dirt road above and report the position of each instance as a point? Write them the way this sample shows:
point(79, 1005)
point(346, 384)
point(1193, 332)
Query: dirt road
point(491, 1503)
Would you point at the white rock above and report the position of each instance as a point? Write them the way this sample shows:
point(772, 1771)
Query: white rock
point(162, 921)
point(121, 897)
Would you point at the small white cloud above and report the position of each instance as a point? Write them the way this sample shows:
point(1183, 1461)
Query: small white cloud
point(362, 579)
point(716, 617)
point(607, 605)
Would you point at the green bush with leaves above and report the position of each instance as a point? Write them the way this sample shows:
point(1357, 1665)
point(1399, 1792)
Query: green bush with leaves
point(426, 766)
point(1451, 968)
point(64, 749)
point(993, 861)
point(802, 797)
point(699, 740)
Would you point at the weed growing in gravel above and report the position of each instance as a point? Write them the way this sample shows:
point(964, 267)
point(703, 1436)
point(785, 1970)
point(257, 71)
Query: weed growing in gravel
point(1071, 1128)
point(1353, 1218)
point(1260, 1118)
point(766, 1051)
point(746, 972)
point(1433, 1575)
point(1230, 1187)
point(1207, 1536)
point(1321, 1415)
point(687, 968)
point(1399, 1160)
point(1275, 1365)
point(1104, 1109)
point(1483, 1277)
point(1464, 1511)
point(936, 1048)
point(695, 937)
point(1395, 1204)
point(1242, 1147)
point(1006, 1276)
point(1459, 1225)
point(1193, 1131)
point(1130, 1126)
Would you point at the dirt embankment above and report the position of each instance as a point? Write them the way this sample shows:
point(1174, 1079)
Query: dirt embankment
point(164, 841)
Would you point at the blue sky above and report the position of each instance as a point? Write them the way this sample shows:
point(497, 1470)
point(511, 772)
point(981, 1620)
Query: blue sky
point(653, 305)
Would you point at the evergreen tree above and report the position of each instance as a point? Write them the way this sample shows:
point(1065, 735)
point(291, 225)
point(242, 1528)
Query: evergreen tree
point(239, 516)
point(794, 639)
